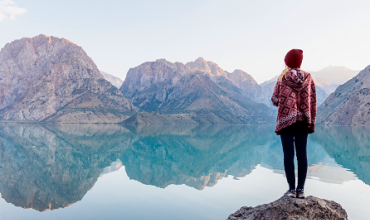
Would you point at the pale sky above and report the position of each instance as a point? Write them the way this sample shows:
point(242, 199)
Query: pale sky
point(251, 35)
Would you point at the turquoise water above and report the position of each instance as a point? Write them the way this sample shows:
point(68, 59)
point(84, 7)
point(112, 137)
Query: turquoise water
point(170, 172)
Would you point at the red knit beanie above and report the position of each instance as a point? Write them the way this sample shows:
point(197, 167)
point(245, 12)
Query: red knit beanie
point(293, 58)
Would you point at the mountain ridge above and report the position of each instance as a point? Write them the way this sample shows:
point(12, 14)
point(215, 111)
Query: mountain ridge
point(194, 88)
point(43, 75)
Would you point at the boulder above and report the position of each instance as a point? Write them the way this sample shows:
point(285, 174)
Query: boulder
point(291, 208)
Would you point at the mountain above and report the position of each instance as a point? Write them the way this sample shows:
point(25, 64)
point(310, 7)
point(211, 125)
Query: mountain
point(349, 104)
point(198, 90)
point(51, 79)
point(335, 75)
point(324, 85)
point(239, 78)
point(116, 81)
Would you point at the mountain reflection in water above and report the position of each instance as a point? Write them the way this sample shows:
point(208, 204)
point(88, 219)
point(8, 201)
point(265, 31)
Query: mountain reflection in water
point(48, 167)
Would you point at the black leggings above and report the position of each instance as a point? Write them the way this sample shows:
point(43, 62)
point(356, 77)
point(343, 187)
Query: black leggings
point(300, 142)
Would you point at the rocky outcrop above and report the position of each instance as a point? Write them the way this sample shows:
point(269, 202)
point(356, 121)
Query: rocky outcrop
point(116, 81)
point(53, 80)
point(292, 208)
point(192, 89)
point(349, 104)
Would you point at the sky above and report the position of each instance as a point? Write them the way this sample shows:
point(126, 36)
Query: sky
point(250, 35)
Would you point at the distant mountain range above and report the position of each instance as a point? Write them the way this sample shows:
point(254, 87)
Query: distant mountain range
point(116, 81)
point(336, 75)
point(52, 80)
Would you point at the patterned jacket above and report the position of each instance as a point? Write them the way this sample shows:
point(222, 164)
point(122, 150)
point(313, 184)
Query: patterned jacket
point(295, 97)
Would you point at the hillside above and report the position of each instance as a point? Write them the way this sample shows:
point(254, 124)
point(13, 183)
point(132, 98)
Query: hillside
point(349, 104)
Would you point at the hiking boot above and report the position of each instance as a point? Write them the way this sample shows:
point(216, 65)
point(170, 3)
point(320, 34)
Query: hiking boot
point(291, 193)
point(300, 194)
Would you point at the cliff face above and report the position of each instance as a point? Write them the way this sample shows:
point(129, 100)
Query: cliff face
point(52, 79)
point(195, 89)
point(349, 104)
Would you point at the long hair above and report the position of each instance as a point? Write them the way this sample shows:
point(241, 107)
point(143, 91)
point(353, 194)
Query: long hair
point(285, 71)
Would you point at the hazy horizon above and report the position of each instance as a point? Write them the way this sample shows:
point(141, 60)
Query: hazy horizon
point(246, 35)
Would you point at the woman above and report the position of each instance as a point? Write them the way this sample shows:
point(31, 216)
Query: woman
point(295, 96)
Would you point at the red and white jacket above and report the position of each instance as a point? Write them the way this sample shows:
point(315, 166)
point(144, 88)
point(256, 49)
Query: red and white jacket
point(295, 96)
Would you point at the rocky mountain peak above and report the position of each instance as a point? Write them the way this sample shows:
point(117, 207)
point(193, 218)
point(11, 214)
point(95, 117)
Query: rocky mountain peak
point(199, 65)
point(240, 76)
point(208, 67)
point(22, 61)
point(40, 75)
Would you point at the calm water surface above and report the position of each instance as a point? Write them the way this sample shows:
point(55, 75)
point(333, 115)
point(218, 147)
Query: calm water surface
point(170, 172)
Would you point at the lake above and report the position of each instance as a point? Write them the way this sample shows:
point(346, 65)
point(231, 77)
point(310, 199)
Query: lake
point(170, 172)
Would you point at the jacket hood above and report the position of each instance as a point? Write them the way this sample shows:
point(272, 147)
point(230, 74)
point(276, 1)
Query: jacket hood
point(297, 78)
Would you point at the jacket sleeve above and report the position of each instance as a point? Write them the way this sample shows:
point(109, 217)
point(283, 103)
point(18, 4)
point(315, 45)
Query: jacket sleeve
point(313, 102)
point(275, 94)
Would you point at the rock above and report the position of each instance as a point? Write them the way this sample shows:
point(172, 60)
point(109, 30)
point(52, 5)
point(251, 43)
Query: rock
point(116, 81)
point(291, 208)
point(53, 80)
point(349, 104)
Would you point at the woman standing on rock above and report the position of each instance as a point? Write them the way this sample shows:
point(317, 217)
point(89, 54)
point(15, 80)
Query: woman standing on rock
point(295, 96)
